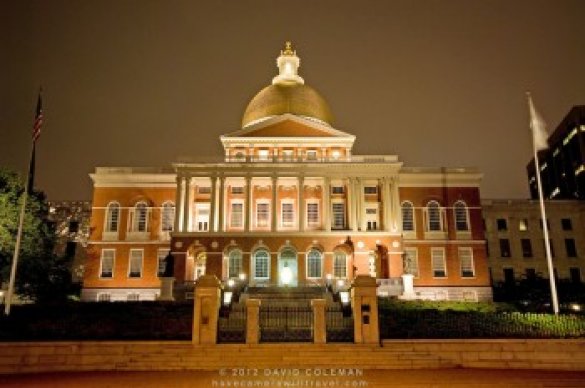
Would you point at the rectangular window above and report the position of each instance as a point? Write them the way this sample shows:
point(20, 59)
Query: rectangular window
point(547, 224)
point(287, 155)
point(237, 219)
point(311, 155)
point(502, 224)
point(204, 189)
point(73, 226)
point(523, 225)
point(107, 263)
point(530, 274)
point(136, 256)
point(371, 190)
point(288, 214)
point(466, 260)
point(552, 248)
point(312, 214)
point(237, 190)
point(438, 262)
point(337, 189)
point(575, 275)
point(133, 297)
point(526, 247)
point(412, 260)
point(103, 297)
point(161, 265)
point(566, 224)
point(504, 247)
point(570, 247)
point(339, 265)
point(262, 214)
point(371, 211)
point(338, 216)
point(509, 276)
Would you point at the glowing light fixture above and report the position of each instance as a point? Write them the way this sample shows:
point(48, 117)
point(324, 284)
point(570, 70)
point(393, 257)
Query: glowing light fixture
point(329, 276)
point(360, 244)
point(231, 283)
point(340, 283)
point(344, 297)
point(335, 154)
point(242, 276)
point(286, 276)
point(227, 297)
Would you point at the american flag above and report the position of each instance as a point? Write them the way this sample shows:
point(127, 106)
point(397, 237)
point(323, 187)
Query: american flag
point(38, 119)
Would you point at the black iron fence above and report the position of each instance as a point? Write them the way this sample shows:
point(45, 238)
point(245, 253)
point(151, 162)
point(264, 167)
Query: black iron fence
point(339, 324)
point(286, 324)
point(232, 324)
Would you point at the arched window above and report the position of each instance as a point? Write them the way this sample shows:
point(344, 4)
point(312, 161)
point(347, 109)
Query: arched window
point(140, 219)
point(339, 264)
point(261, 264)
point(407, 217)
point(234, 263)
point(112, 217)
point(314, 264)
point(461, 217)
point(168, 216)
point(434, 223)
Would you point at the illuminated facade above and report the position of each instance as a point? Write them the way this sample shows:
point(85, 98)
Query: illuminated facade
point(287, 204)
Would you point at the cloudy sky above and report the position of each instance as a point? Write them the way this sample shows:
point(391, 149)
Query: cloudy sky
point(142, 83)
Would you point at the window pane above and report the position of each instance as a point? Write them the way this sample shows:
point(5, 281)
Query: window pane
point(314, 264)
point(370, 190)
point(570, 247)
point(504, 247)
point(502, 224)
point(338, 216)
point(135, 263)
point(434, 217)
point(438, 263)
point(161, 265)
point(113, 217)
point(287, 214)
point(140, 214)
point(461, 223)
point(168, 217)
point(466, 260)
point(412, 258)
point(566, 224)
point(262, 214)
point(339, 265)
point(107, 263)
point(235, 263)
point(261, 263)
point(313, 213)
point(407, 217)
point(237, 215)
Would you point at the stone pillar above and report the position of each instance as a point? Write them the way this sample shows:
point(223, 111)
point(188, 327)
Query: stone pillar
point(319, 325)
point(179, 204)
point(247, 205)
point(395, 213)
point(408, 284)
point(273, 204)
point(302, 209)
point(386, 204)
point(252, 321)
point(212, 203)
point(364, 302)
point(221, 221)
point(327, 204)
point(206, 310)
point(166, 289)
point(187, 204)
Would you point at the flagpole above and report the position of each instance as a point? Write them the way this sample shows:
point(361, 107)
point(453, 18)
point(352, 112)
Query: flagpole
point(535, 121)
point(10, 291)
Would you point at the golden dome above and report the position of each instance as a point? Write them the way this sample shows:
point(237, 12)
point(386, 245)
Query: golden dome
point(293, 98)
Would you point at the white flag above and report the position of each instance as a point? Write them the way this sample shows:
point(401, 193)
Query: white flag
point(538, 126)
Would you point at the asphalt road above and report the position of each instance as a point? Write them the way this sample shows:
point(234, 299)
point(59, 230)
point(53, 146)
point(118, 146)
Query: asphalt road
point(291, 377)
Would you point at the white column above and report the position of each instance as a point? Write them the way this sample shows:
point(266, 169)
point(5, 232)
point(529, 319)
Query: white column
point(212, 204)
point(362, 205)
point(395, 214)
point(179, 193)
point(273, 204)
point(187, 204)
point(349, 204)
point(247, 204)
point(302, 207)
point(385, 203)
point(221, 222)
point(327, 203)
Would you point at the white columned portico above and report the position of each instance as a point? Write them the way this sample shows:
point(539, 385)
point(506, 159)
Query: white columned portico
point(213, 202)
point(273, 203)
point(302, 207)
point(247, 205)
point(221, 222)
point(327, 203)
point(179, 204)
point(187, 204)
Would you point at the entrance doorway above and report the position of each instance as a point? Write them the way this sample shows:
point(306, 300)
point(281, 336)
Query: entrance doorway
point(288, 268)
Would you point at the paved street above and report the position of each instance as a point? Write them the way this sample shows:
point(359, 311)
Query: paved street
point(304, 378)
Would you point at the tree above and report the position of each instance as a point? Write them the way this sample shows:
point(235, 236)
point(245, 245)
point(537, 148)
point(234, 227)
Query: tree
point(41, 275)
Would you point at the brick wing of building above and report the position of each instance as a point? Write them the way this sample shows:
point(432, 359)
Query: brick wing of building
point(287, 204)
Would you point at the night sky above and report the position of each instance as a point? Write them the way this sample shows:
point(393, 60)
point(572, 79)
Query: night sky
point(142, 83)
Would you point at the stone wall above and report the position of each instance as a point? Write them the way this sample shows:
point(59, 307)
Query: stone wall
point(396, 354)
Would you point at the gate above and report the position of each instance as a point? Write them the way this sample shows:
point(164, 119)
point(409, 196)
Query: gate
point(339, 324)
point(286, 324)
point(231, 326)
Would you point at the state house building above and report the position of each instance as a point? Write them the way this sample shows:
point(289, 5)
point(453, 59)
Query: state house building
point(288, 204)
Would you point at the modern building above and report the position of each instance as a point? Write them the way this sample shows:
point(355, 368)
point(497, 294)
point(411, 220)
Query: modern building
point(562, 165)
point(288, 204)
point(515, 240)
point(71, 222)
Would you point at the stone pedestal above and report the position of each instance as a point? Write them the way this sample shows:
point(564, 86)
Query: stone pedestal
point(408, 284)
point(364, 302)
point(206, 311)
point(319, 324)
point(166, 289)
point(252, 321)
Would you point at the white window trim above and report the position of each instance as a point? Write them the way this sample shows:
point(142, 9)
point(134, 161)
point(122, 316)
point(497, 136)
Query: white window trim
point(253, 264)
point(111, 234)
point(237, 202)
point(198, 208)
point(165, 252)
point(346, 263)
point(102, 262)
point(130, 263)
point(262, 201)
point(441, 218)
point(408, 233)
point(99, 294)
point(467, 223)
point(162, 212)
point(322, 258)
point(470, 250)
point(228, 263)
point(294, 215)
point(338, 202)
point(444, 264)
point(415, 250)
point(319, 217)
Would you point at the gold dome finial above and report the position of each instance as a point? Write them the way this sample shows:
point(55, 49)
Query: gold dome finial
point(288, 50)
